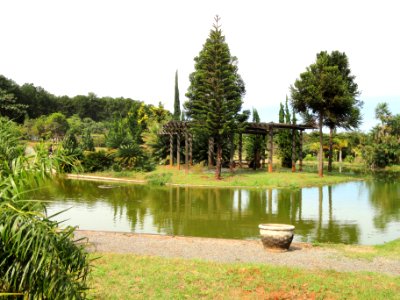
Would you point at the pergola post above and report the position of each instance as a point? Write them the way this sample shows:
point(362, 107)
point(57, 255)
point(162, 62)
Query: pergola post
point(271, 143)
point(178, 152)
point(301, 151)
point(171, 150)
point(191, 149)
point(232, 152)
point(293, 150)
point(240, 149)
point(186, 153)
point(263, 154)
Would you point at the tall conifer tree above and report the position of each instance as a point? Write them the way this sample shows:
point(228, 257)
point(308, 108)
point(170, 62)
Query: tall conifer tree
point(215, 92)
point(177, 103)
point(285, 136)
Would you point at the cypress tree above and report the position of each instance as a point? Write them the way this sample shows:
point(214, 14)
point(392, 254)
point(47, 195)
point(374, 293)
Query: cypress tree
point(285, 136)
point(215, 92)
point(255, 145)
point(177, 103)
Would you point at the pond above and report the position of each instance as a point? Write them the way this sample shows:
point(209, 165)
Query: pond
point(363, 212)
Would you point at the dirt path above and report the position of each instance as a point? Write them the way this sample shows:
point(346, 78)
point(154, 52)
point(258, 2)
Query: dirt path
point(224, 250)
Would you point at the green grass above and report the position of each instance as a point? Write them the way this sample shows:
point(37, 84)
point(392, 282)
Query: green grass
point(281, 178)
point(389, 250)
point(126, 276)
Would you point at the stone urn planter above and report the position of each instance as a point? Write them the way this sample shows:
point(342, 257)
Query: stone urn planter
point(276, 237)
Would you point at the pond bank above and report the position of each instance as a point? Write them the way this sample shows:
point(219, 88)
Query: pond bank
point(301, 255)
point(240, 178)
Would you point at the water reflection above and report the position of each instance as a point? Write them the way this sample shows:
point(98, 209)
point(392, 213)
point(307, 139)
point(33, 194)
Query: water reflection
point(357, 212)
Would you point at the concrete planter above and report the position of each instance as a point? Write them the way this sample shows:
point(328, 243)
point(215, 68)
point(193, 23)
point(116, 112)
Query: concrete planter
point(276, 237)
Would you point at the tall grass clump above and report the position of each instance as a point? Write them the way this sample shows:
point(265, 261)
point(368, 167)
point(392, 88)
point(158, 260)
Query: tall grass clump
point(38, 258)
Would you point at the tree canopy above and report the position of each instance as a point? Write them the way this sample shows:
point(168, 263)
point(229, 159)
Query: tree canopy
point(326, 93)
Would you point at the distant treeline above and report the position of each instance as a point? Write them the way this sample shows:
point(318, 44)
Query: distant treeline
point(30, 101)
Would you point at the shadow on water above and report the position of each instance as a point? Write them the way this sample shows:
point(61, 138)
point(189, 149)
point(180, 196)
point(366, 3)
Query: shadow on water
point(351, 213)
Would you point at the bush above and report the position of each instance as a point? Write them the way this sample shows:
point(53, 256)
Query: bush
point(158, 179)
point(309, 157)
point(96, 161)
point(99, 140)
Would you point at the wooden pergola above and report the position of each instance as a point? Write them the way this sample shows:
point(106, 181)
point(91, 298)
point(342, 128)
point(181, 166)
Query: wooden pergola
point(182, 129)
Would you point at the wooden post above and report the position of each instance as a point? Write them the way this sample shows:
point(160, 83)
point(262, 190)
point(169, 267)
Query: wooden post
point(191, 149)
point(171, 150)
point(301, 151)
point(271, 144)
point(293, 150)
point(240, 149)
point(186, 153)
point(232, 152)
point(178, 152)
point(263, 154)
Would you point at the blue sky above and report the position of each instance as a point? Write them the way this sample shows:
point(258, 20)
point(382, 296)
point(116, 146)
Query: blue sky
point(132, 48)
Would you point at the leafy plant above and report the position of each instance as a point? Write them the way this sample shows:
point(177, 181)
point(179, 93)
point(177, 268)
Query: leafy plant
point(38, 259)
point(96, 161)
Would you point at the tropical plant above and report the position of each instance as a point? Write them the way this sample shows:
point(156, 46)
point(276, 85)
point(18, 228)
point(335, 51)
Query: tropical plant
point(38, 259)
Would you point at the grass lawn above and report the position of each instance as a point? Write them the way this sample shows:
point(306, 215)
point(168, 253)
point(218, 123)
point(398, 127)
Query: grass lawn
point(282, 178)
point(123, 276)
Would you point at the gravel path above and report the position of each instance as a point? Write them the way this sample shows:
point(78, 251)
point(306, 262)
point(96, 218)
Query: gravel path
point(225, 250)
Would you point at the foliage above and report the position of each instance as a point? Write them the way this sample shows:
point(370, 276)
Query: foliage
point(284, 137)
point(383, 147)
point(38, 259)
point(9, 106)
point(87, 143)
point(215, 92)
point(326, 93)
point(56, 126)
point(118, 134)
point(96, 161)
point(75, 124)
point(255, 146)
point(159, 179)
point(10, 147)
point(128, 156)
point(177, 103)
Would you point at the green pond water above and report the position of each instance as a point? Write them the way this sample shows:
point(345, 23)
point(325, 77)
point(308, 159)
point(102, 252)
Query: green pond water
point(366, 212)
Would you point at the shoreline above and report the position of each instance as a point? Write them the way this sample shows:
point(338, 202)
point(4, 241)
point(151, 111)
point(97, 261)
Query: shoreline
point(142, 181)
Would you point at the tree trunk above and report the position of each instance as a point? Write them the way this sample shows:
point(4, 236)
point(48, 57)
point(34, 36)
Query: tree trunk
point(171, 150)
point(232, 152)
point(321, 150)
point(330, 150)
point(240, 149)
point(293, 150)
point(210, 152)
point(340, 155)
point(178, 151)
point(219, 161)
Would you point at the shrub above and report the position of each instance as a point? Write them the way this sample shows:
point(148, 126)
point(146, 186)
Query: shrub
point(309, 157)
point(96, 161)
point(158, 179)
